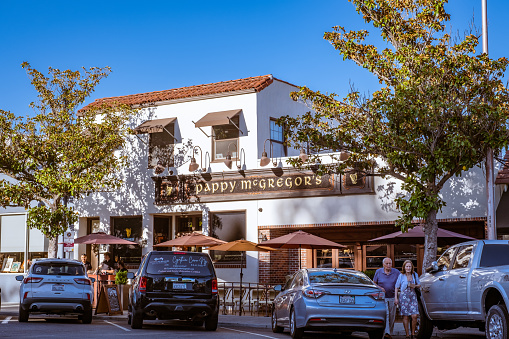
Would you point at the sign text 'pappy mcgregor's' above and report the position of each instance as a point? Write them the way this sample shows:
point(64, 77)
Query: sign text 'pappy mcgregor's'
point(253, 185)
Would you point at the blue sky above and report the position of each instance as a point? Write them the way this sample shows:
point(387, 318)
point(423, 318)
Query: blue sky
point(158, 45)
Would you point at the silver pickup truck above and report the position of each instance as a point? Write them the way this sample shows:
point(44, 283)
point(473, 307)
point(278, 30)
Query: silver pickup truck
point(468, 286)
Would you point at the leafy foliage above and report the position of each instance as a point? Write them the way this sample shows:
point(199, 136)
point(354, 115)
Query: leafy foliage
point(121, 278)
point(440, 109)
point(60, 153)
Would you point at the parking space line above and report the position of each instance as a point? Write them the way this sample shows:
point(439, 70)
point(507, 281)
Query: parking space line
point(258, 334)
point(6, 320)
point(125, 329)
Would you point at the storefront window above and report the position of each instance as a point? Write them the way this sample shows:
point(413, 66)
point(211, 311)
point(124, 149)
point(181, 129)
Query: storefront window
point(187, 224)
point(346, 258)
point(404, 252)
point(323, 258)
point(128, 228)
point(228, 226)
point(161, 230)
point(375, 255)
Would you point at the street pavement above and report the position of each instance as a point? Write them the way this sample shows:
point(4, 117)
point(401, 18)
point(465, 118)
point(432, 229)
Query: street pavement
point(262, 324)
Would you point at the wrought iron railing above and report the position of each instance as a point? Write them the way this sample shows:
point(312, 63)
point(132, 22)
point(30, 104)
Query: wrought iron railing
point(251, 298)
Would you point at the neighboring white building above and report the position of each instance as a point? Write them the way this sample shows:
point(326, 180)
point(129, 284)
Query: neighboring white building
point(250, 201)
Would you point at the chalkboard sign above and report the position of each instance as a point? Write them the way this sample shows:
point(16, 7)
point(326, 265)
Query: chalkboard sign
point(109, 300)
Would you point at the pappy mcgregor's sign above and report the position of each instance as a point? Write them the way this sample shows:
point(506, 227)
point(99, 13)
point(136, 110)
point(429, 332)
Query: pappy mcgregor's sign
point(259, 185)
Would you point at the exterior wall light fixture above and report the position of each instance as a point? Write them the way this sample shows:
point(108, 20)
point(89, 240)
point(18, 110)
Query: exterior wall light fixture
point(193, 166)
point(264, 161)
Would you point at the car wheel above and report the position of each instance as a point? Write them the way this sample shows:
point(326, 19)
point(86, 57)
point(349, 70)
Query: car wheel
point(425, 325)
point(86, 318)
point(136, 320)
point(23, 315)
point(129, 319)
point(273, 323)
point(378, 334)
point(496, 322)
point(295, 332)
point(211, 322)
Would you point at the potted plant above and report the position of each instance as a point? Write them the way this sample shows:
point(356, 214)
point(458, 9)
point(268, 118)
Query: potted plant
point(121, 280)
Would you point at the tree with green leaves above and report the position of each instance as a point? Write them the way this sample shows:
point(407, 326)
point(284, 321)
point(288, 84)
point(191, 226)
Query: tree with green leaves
point(60, 153)
point(441, 107)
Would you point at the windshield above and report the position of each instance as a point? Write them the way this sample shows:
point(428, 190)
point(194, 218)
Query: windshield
point(339, 277)
point(58, 269)
point(180, 264)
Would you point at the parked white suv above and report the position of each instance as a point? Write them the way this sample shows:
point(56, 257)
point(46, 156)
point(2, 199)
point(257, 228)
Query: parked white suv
point(56, 286)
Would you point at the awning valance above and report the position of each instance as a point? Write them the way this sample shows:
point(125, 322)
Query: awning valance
point(217, 118)
point(153, 126)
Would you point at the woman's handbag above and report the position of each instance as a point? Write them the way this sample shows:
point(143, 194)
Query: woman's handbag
point(417, 289)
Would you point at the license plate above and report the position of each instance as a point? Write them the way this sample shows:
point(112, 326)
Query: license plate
point(179, 286)
point(59, 287)
point(346, 299)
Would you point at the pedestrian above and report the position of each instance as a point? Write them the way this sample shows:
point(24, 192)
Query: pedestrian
point(108, 265)
point(407, 282)
point(386, 278)
point(88, 265)
point(121, 267)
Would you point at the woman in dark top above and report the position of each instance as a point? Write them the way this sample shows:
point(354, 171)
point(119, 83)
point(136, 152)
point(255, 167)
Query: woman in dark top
point(121, 267)
point(108, 265)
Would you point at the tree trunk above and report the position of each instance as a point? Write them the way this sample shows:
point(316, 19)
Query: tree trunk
point(53, 247)
point(430, 240)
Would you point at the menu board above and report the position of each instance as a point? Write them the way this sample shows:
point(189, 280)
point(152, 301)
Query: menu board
point(109, 300)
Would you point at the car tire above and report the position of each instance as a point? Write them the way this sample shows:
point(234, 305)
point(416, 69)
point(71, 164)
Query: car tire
point(295, 333)
point(378, 334)
point(425, 328)
point(273, 323)
point(86, 318)
point(23, 315)
point(211, 322)
point(496, 322)
point(129, 319)
point(136, 320)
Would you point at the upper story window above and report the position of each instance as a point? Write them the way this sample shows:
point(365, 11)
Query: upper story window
point(225, 140)
point(161, 141)
point(277, 139)
point(225, 132)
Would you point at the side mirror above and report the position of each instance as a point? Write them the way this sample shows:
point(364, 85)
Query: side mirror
point(92, 280)
point(278, 288)
point(130, 275)
point(19, 278)
point(433, 268)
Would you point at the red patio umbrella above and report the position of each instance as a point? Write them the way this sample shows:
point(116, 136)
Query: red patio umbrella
point(416, 236)
point(101, 238)
point(300, 240)
point(193, 239)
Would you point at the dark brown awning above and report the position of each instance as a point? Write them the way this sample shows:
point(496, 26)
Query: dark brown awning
point(153, 126)
point(217, 118)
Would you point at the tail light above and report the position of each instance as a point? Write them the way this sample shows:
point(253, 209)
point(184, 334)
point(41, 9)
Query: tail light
point(214, 286)
point(377, 295)
point(30, 280)
point(142, 286)
point(82, 281)
point(312, 293)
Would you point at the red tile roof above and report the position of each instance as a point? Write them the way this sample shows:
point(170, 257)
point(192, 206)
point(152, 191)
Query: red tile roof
point(503, 174)
point(256, 83)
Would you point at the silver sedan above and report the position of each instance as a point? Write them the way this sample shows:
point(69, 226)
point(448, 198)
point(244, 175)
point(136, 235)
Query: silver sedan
point(329, 299)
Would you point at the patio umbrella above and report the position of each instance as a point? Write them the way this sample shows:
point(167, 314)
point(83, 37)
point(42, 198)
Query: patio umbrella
point(241, 246)
point(416, 236)
point(193, 239)
point(300, 240)
point(101, 238)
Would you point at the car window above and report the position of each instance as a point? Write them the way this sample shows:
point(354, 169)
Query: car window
point(337, 277)
point(494, 255)
point(179, 264)
point(58, 269)
point(297, 281)
point(463, 257)
point(445, 260)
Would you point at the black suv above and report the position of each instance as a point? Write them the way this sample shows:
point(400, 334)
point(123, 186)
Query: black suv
point(174, 285)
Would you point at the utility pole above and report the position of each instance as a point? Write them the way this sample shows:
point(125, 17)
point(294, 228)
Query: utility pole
point(491, 221)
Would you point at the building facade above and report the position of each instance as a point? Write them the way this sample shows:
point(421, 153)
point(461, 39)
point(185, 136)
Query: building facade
point(226, 193)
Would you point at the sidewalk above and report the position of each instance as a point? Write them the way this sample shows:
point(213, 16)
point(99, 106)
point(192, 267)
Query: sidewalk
point(11, 309)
